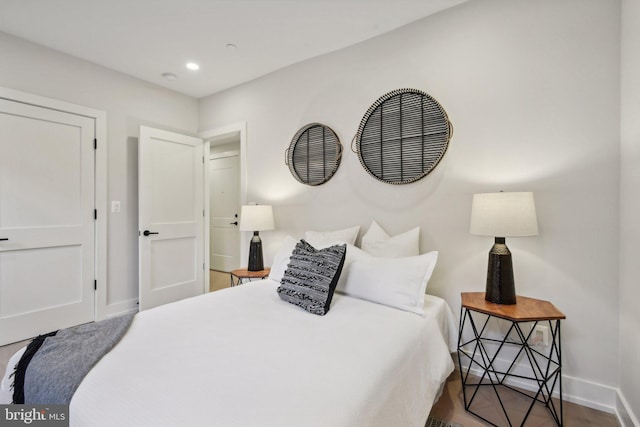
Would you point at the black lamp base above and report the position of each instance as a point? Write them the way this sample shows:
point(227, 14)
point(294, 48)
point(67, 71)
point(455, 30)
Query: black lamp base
point(500, 284)
point(256, 262)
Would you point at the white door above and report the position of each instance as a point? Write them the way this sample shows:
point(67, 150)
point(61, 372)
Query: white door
point(224, 189)
point(47, 226)
point(170, 216)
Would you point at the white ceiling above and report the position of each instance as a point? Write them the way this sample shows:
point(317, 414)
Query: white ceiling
point(145, 38)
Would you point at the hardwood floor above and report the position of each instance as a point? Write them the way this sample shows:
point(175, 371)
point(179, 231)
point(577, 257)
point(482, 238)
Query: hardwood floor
point(218, 280)
point(450, 407)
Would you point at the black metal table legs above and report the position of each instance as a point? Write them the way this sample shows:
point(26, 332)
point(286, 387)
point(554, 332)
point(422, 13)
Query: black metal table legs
point(479, 356)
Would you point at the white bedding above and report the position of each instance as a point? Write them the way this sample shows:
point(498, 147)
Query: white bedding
point(242, 357)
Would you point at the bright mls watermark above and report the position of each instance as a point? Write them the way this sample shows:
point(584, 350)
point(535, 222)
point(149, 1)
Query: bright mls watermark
point(34, 415)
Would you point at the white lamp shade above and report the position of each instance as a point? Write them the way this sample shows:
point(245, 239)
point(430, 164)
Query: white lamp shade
point(256, 218)
point(504, 215)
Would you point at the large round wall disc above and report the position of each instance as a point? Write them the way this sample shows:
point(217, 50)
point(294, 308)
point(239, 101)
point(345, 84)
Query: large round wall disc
point(403, 136)
point(314, 154)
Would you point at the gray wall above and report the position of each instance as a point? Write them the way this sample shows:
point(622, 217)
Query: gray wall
point(630, 208)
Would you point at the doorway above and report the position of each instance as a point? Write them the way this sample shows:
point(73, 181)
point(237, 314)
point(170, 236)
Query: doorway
point(224, 206)
point(227, 193)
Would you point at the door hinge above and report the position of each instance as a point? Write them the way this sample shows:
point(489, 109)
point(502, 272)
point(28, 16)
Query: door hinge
point(203, 160)
point(95, 285)
point(95, 143)
point(95, 214)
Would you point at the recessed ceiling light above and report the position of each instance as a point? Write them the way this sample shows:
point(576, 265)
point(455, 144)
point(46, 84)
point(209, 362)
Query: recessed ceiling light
point(169, 76)
point(231, 46)
point(193, 66)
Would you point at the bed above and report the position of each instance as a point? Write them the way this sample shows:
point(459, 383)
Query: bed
point(245, 357)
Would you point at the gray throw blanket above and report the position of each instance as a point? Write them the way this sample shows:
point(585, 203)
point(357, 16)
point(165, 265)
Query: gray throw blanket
point(61, 363)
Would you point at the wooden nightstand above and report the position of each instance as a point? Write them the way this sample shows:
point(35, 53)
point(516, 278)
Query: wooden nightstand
point(480, 355)
point(238, 276)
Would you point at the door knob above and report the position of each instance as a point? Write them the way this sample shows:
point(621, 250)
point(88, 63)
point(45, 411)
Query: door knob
point(3, 239)
point(233, 223)
point(147, 232)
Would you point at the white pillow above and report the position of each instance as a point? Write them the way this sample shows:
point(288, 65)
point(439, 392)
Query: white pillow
point(396, 282)
point(324, 239)
point(281, 258)
point(378, 243)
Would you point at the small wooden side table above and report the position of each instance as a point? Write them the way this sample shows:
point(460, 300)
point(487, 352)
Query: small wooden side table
point(238, 276)
point(480, 353)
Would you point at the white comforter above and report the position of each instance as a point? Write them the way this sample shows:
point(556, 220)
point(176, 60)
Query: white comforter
point(242, 357)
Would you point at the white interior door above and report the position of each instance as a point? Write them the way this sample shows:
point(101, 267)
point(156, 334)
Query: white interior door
point(47, 226)
point(224, 188)
point(170, 216)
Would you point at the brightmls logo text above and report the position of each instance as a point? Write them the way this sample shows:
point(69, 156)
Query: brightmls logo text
point(34, 415)
point(27, 416)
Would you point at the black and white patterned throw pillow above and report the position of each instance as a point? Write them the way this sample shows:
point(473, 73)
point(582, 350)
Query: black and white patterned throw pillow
point(311, 277)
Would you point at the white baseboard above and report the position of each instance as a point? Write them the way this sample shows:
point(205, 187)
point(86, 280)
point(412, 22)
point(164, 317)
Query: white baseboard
point(122, 307)
point(589, 394)
point(625, 415)
point(575, 390)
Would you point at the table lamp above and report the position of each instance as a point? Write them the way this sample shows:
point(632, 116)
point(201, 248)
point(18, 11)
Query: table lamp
point(502, 215)
point(256, 218)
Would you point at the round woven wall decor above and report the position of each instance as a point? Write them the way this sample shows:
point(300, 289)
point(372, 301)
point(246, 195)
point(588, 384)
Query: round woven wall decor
point(314, 154)
point(403, 136)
